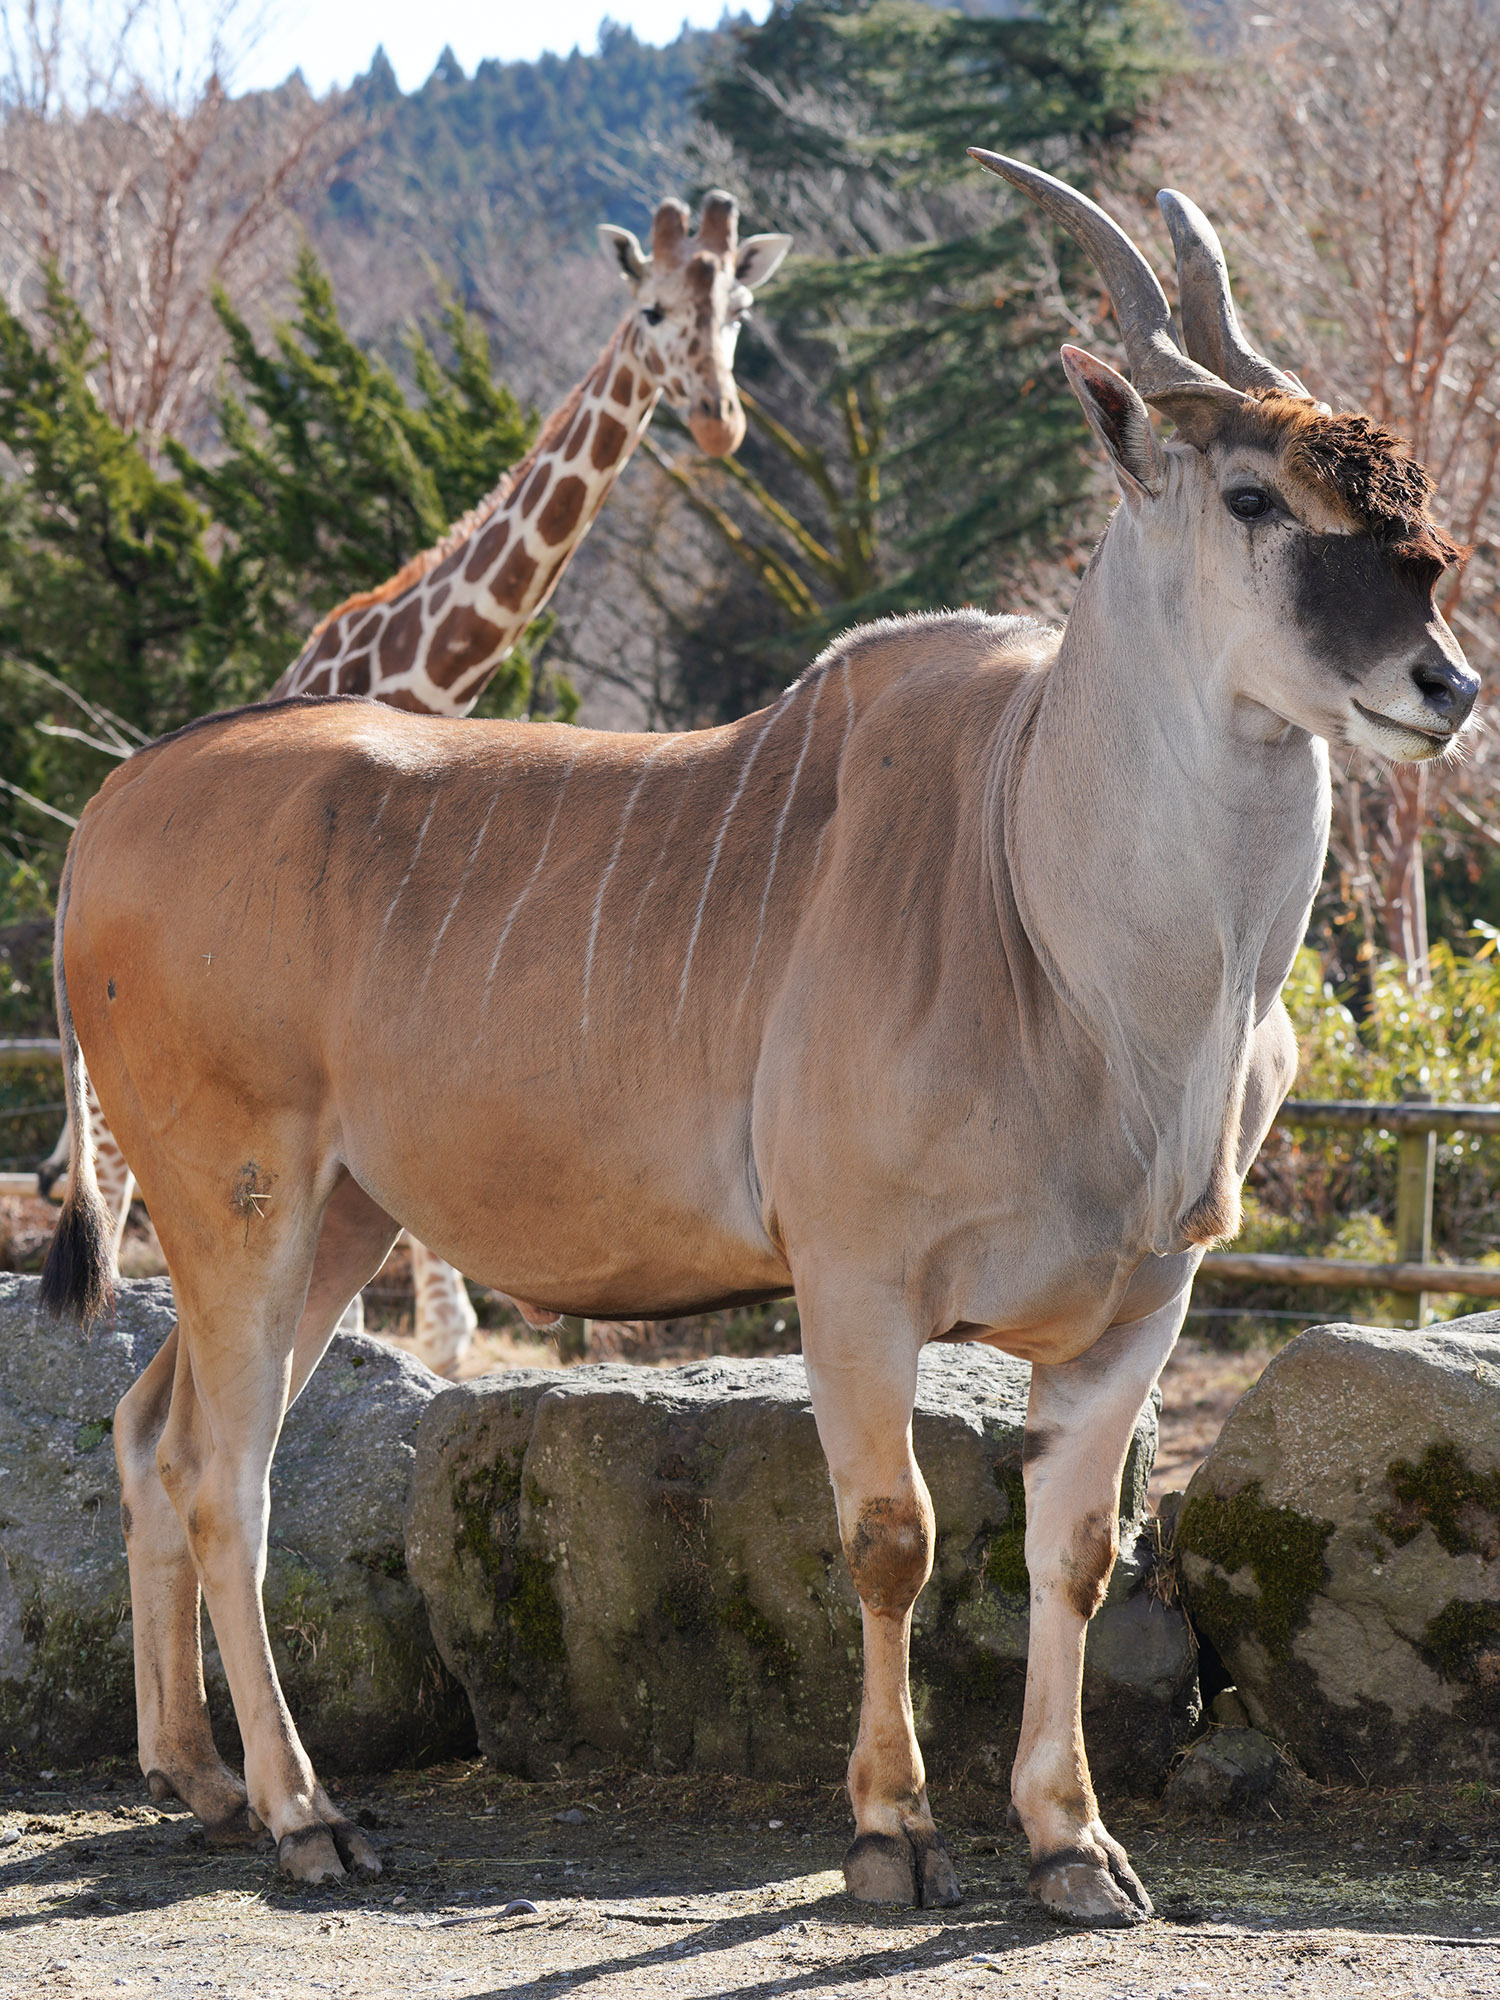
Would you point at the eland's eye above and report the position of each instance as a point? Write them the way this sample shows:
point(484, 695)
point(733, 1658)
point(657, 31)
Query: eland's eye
point(1249, 503)
point(652, 315)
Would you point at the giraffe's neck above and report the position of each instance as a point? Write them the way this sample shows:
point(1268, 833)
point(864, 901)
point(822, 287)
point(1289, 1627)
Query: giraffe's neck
point(432, 637)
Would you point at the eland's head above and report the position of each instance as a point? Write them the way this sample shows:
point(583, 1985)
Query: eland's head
point(1297, 543)
point(692, 295)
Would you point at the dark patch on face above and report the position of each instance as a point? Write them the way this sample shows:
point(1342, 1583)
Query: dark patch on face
point(695, 346)
point(655, 363)
point(398, 642)
point(609, 442)
point(540, 480)
point(1087, 1564)
point(580, 432)
point(461, 642)
point(560, 515)
point(889, 1555)
point(487, 550)
point(1358, 603)
point(354, 675)
point(622, 386)
point(513, 582)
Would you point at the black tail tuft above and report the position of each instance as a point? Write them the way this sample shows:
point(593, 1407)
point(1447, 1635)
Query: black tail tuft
point(78, 1277)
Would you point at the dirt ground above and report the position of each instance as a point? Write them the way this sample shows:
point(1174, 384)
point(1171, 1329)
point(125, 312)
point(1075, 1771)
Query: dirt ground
point(685, 1887)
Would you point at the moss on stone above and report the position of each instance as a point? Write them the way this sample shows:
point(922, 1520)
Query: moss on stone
point(533, 1610)
point(78, 1695)
point(1463, 1642)
point(1283, 1550)
point(1438, 1493)
point(777, 1657)
point(1005, 1559)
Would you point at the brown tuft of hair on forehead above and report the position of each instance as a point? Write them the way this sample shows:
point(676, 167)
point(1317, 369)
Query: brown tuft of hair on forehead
point(1368, 469)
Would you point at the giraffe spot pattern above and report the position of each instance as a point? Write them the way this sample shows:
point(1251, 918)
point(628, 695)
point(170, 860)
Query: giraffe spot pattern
point(655, 363)
point(559, 517)
point(609, 442)
point(398, 643)
point(461, 642)
point(623, 386)
point(539, 483)
point(365, 636)
point(448, 565)
point(405, 698)
point(354, 674)
point(332, 642)
point(510, 586)
point(438, 598)
point(486, 551)
point(580, 432)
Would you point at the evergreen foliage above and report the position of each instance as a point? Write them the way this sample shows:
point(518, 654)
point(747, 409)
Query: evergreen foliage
point(132, 600)
point(948, 445)
point(331, 478)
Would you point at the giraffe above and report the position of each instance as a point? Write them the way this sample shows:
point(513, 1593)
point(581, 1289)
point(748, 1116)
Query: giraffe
point(430, 638)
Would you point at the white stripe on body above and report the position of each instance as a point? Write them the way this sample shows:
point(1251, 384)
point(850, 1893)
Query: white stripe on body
point(515, 908)
point(588, 960)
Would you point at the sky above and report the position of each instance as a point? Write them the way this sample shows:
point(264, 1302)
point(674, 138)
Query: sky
point(332, 41)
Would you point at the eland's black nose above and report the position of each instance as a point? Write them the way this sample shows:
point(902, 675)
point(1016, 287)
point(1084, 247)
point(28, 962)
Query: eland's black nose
point(1447, 688)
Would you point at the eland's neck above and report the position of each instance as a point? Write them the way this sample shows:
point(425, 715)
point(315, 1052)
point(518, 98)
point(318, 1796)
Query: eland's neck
point(1164, 841)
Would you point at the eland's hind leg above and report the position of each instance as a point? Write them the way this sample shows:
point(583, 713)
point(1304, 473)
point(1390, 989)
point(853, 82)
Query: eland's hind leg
point(1078, 1427)
point(177, 1750)
point(861, 1355)
point(162, 1429)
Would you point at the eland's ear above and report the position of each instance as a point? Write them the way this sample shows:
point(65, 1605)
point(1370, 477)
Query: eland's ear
point(760, 258)
point(622, 249)
point(1120, 421)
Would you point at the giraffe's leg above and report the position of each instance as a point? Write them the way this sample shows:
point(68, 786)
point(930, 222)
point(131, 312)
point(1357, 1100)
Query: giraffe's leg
point(1078, 1428)
point(445, 1318)
point(177, 1751)
point(861, 1355)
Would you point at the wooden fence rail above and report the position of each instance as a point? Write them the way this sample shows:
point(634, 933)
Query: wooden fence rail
point(1415, 1122)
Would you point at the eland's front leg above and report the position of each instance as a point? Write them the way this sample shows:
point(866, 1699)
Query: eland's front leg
point(1078, 1428)
point(863, 1389)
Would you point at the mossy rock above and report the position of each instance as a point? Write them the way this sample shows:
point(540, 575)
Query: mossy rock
point(645, 1564)
point(1340, 1547)
point(348, 1628)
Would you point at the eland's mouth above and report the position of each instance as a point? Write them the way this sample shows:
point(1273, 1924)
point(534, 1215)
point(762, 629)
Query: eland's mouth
point(1420, 743)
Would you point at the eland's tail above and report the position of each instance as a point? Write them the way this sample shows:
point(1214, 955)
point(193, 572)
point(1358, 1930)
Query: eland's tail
point(78, 1278)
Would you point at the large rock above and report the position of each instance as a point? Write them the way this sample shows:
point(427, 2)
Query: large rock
point(1340, 1546)
point(348, 1628)
point(644, 1564)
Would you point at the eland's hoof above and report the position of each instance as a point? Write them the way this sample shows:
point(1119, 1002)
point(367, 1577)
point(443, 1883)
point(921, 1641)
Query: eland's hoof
point(915, 1870)
point(356, 1853)
point(1100, 1890)
point(879, 1868)
point(937, 1876)
point(308, 1854)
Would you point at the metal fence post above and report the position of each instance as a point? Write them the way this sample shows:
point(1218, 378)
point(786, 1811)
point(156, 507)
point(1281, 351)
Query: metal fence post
point(1416, 1164)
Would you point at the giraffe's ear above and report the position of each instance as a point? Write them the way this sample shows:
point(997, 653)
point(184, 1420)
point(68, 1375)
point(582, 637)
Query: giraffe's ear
point(759, 258)
point(622, 249)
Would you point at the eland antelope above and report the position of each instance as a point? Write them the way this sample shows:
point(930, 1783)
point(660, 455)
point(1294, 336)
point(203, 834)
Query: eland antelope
point(944, 991)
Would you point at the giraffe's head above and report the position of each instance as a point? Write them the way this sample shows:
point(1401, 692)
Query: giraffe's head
point(691, 297)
